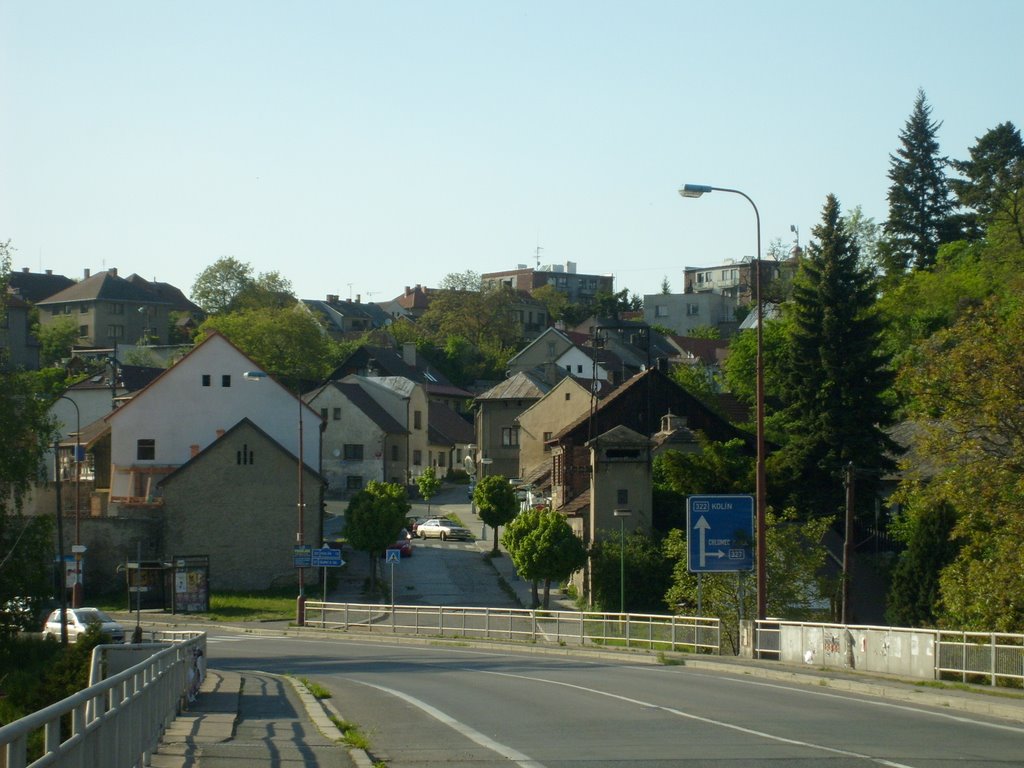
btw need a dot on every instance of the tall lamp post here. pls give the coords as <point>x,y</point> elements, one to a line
<point>300,604</point>
<point>76,588</point>
<point>622,514</point>
<point>696,190</point>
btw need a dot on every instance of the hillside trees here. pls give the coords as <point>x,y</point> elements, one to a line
<point>919,201</point>
<point>836,408</point>
<point>993,183</point>
<point>965,390</point>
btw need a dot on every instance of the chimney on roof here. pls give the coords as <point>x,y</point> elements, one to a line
<point>332,298</point>
<point>86,273</point>
<point>25,270</point>
<point>113,271</point>
<point>49,271</point>
<point>409,353</point>
<point>359,298</point>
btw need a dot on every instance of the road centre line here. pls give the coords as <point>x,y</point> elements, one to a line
<point>698,718</point>
<point>524,761</point>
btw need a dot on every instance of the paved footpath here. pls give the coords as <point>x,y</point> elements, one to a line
<point>254,720</point>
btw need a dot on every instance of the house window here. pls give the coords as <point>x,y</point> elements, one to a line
<point>323,414</point>
<point>225,380</point>
<point>440,459</point>
<point>567,396</point>
<point>417,458</point>
<point>353,482</point>
<point>352,452</point>
<point>83,309</point>
<point>622,496</point>
<point>115,331</point>
<point>692,310</point>
<point>337,415</point>
<point>417,419</point>
<point>56,311</point>
<point>579,368</point>
<point>145,449</point>
<point>245,457</point>
<point>206,379</point>
<point>547,440</point>
<point>117,309</point>
<point>394,453</point>
<point>551,348</point>
<point>509,437</point>
<point>568,367</point>
<point>83,331</point>
<point>660,310</point>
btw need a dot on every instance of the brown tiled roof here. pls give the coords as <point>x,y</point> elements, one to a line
<point>521,386</point>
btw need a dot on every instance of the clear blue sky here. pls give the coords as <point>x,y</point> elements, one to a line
<point>358,147</point>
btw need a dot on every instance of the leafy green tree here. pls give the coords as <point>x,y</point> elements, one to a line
<point>555,301</point>
<point>288,343</point>
<point>666,289</point>
<point>229,285</point>
<point>866,233</point>
<point>717,468</point>
<point>373,520</point>
<point>428,484</point>
<point>836,404</point>
<point>964,389</point>
<point>647,572</point>
<point>919,201</point>
<point>496,503</point>
<point>461,281</point>
<point>217,286</point>
<point>56,340</point>
<point>794,559</point>
<point>993,187</point>
<point>926,527</point>
<point>543,547</point>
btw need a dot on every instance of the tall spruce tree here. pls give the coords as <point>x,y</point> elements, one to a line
<point>920,206</point>
<point>835,409</point>
<point>993,187</point>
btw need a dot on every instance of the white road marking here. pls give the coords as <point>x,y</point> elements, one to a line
<point>484,741</point>
<point>698,718</point>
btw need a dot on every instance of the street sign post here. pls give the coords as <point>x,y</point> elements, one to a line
<point>325,557</point>
<point>720,533</point>
<point>302,555</point>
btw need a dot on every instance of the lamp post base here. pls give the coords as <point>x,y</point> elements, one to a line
<point>300,610</point>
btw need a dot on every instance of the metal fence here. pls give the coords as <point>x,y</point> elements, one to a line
<point>651,632</point>
<point>116,722</point>
<point>927,654</point>
<point>975,656</point>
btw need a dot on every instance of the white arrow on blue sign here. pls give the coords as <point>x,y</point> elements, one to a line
<point>326,557</point>
<point>720,533</point>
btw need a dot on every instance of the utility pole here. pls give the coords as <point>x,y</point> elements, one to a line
<point>848,544</point>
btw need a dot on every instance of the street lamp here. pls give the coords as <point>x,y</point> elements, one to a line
<point>696,190</point>
<point>76,588</point>
<point>300,604</point>
<point>622,514</point>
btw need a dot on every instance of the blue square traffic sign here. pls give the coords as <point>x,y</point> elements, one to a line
<point>720,533</point>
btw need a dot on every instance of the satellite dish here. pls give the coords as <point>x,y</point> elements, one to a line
<point>336,452</point>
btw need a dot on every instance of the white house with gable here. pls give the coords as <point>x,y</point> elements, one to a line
<point>192,404</point>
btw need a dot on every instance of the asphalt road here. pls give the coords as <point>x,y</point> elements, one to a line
<point>428,705</point>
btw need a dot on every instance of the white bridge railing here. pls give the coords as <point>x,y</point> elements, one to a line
<point>652,632</point>
<point>116,722</point>
<point>926,654</point>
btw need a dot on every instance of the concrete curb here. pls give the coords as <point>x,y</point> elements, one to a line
<point>319,711</point>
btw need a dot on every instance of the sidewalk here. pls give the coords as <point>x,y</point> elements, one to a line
<point>251,720</point>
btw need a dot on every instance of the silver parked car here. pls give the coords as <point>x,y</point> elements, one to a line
<point>79,620</point>
<point>443,528</point>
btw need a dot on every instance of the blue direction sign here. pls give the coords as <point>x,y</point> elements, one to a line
<point>325,557</point>
<point>302,556</point>
<point>720,533</point>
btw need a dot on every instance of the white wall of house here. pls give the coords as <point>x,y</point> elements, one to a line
<point>683,312</point>
<point>192,403</point>
<point>581,365</point>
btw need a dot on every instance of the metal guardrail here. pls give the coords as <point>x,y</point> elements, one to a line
<point>610,630</point>
<point>926,654</point>
<point>997,657</point>
<point>117,722</point>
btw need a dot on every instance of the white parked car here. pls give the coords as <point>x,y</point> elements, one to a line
<point>79,620</point>
<point>442,528</point>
